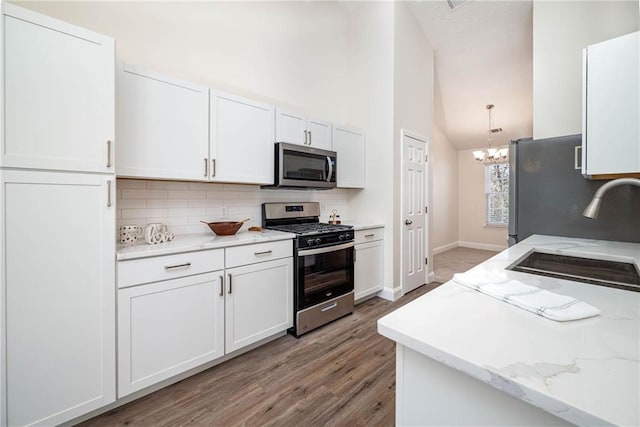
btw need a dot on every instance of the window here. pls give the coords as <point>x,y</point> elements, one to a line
<point>497,194</point>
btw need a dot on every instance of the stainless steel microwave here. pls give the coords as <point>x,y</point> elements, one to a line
<point>297,166</point>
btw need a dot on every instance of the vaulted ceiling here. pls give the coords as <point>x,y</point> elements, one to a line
<point>483,55</point>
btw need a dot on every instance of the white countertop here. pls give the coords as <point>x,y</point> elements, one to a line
<point>198,242</point>
<point>357,226</point>
<point>586,371</point>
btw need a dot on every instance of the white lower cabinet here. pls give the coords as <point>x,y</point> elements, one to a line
<point>58,276</point>
<point>167,328</point>
<point>189,310</point>
<point>369,263</point>
<point>259,302</point>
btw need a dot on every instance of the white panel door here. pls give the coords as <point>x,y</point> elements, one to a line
<point>259,302</point>
<point>319,134</point>
<point>413,214</point>
<point>349,144</point>
<point>167,328</point>
<point>59,94</point>
<point>163,126</point>
<point>59,268</point>
<point>291,127</point>
<point>612,133</point>
<point>242,140</point>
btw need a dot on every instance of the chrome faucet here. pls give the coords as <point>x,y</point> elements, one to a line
<point>592,210</point>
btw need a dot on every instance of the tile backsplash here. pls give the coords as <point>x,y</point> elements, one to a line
<point>182,205</point>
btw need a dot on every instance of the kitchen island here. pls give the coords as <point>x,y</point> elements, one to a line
<point>465,358</point>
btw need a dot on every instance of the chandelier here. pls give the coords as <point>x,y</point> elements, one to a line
<point>491,155</point>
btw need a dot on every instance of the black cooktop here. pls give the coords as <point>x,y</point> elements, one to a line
<point>311,228</point>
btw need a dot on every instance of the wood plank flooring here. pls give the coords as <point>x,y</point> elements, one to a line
<point>340,374</point>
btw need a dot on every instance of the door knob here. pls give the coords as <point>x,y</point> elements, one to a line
<point>408,222</point>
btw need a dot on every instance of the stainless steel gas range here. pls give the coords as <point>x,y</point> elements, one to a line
<point>323,263</point>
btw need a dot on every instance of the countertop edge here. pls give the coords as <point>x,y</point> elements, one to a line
<point>148,251</point>
<point>534,397</point>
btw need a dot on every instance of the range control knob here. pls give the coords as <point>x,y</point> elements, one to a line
<point>341,237</point>
<point>310,242</point>
<point>318,241</point>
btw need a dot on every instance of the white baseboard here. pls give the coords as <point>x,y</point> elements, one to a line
<point>431,277</point>
<point>390,294</point>
<point>483,246</point>
<point>445,248</point>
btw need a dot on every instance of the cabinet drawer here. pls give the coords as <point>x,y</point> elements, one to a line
<point>363,236</point>
<point>249,254</point>
<point>154,269</point>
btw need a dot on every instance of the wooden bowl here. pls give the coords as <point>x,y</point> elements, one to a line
<point>225,228</point>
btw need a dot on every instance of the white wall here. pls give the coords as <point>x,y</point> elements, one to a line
<point>561,29</point>
<point>444,205</point>
<point>291,53</point>
<point>472,231</point>
<point>371,103</point>
<point>413,82</point>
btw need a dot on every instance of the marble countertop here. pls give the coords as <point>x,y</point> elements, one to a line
<point>357,226</point>
<point>586,371</point>
<point>199,242</point>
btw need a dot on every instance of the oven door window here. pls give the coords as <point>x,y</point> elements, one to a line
<point>304,166</point>
<point>324,276</point>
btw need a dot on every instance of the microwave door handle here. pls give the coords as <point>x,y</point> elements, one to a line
<point>330,175</point>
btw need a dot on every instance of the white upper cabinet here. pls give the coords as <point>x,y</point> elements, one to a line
<point>349,144</point>
<point>611,133</point>
<point>297,129</point>
<point>58,94</point>
<point>162,126</point>
<point>242,140</point>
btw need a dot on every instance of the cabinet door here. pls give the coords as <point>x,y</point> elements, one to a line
<point>319,134</point>
<point>59,94</point>
<point>291,127</point>
<point>59,268</point>
<point>612,101</point>
<point>349,144</point>
<point>259,302</point>
<point>163,126</point>
<point>242,140</point>
<point>166,328</point>
<point>368,268</point>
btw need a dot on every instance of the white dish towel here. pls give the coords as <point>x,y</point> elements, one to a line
<point>556,307</point>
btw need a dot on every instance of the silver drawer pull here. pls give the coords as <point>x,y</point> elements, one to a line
<point>221,286</point>
<point>171,267</point>
<point>329,307</point>
<point>108,154</point>
<point>369,235</point>
<point>262,253</point>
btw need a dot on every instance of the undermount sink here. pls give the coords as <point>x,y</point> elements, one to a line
<point>614,274</point>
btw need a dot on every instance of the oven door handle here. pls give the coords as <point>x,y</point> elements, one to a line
<point>324,250</point>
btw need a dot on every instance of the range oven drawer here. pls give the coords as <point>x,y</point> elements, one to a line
<point>321,314</point>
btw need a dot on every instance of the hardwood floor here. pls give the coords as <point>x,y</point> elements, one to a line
<point>340,374</point>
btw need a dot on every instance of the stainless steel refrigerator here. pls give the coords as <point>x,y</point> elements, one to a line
<point>547,195</point>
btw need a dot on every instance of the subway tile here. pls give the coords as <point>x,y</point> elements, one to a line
<point>167,185</point>
<point>131,203</point>
<point>187,212</point>
<point>143,213</point>
<point>199,203</point>
<point>144,194</point>
<point>131,183</point>
<point>168,203</point>
<point>205,186</point>
<point>186,194</point>
<point>222,195</point>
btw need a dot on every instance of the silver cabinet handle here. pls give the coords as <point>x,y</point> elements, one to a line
<point>221,285</point>
<point>306,137</point>
<point>369,235</point>
<point>310,140</point>
<point>108,154</point>
<point>230,284</point>
<point>213,168</point>
<point>262,253</point>
<point>171,267</point>
<point>408,222</point>
<point>206,167</point>
<point>329,307</point>
<point>109,194</point>
<point>577,156</point>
